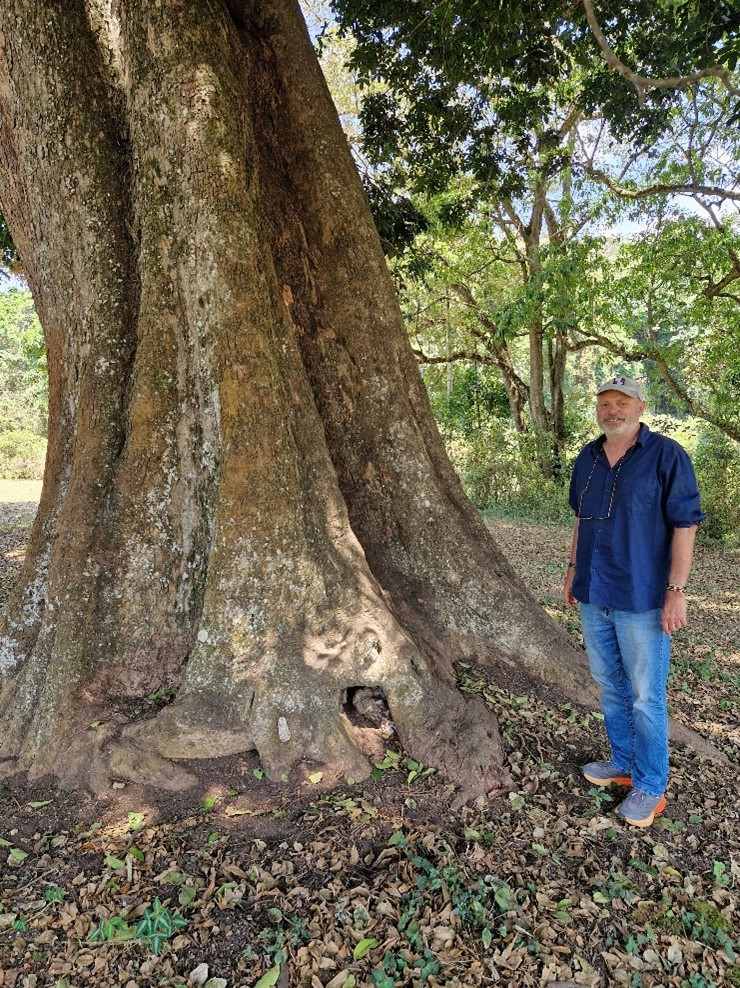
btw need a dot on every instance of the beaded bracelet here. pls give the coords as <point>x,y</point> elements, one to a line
<point>677,588</point>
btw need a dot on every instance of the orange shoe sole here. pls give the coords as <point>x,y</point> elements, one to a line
<point>620,780</point>
<point>648,819</point>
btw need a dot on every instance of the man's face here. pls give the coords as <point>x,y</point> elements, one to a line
<point>618,414</point>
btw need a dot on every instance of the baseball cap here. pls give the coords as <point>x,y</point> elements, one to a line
<point>626,385</point>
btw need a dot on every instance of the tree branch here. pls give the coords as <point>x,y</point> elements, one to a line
<point>688,189</point>
<point>727,427</point>
<point>716,289</point>
<point>451,358</point>
<point>654,354</point>
<point>641,82</point>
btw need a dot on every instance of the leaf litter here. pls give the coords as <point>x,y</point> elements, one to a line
<point>252,883</point>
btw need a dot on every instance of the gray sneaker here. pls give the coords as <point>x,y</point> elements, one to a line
<point>639,809</point>
<point>604,773</point>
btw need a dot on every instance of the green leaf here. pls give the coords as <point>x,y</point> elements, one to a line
<point>136,853</point>
<point>269,978</point>
<point>391,760</point>
<point>316,777</point>
<point>175,877</point>
<point>17,855</point>
<point>38,804</point>
<point>487,937</point>
<point>135,821</point>
<point>363,948</point>
<point>503,897</point>
<point>208,804</point>
<point>114,863</point>
<point>187,895</point>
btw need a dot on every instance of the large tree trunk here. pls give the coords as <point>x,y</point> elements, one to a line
<point>245,495</point>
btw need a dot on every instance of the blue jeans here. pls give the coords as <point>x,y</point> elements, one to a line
<point>629,655</point>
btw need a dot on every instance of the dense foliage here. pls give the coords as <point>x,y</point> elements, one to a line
<point>471,85</point>
<point>549,221</point>
<point>23,387</point>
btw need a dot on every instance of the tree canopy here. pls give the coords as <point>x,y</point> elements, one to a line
<point>544,134</point>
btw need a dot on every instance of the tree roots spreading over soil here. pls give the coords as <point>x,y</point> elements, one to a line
<point>249,881</point>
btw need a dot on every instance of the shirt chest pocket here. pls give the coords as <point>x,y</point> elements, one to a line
<point>644,496</point>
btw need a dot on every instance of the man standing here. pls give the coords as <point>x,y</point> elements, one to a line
<point>637,509</point>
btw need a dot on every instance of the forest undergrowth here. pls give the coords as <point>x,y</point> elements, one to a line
<point>244,882</point>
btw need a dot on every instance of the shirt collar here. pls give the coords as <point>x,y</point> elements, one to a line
<point>643,436</point>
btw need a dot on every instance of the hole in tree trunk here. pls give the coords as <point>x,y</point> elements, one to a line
<point>369,719</point>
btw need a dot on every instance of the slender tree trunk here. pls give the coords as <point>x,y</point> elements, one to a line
<point>558,354</point>
<point>516,392</point>
<point>541,422</point>
<point>245,495</point>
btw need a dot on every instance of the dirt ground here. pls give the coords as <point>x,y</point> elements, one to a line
<point>243,881</point>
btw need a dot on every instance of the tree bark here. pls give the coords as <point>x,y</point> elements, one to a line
<point>245,496</point>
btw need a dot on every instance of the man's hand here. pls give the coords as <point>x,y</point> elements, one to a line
<point>570,600</point>
<point>674,612</point>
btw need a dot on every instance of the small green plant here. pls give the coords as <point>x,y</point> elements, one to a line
<point>158,924</point>
<point>115,928</point>
<point>479,904</point>
<point>600,797</point>
<point>699,981</point>
<point>395,967</point>
<point>733,975</point>
<point>616,886</point>
<point>272,942</point>
<point>54,894</point>
<point>393,760</point>
<point>719,870</point>
<point>162,697</point>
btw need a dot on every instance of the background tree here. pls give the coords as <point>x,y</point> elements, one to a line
<point>23,387</point>
<point>534,145</point>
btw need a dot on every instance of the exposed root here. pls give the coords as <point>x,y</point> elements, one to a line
<point>459,736</point>
<point>691,739</point>
<point>135,763</point>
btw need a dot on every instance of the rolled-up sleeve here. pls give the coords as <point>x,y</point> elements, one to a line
<point>682,504</point>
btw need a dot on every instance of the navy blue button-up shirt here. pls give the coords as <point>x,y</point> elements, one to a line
<point>622,560</point>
